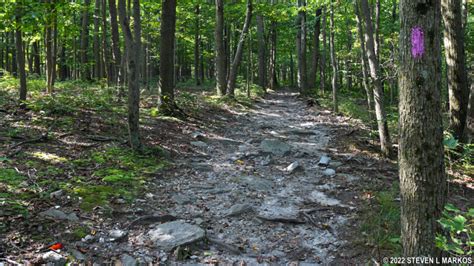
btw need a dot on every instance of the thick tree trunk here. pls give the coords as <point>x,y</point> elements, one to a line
<point>364,63</point>
<point>469,130</point>
<point>197,43</point>
<point>132,46</point>
<point>333,61</point>
<point>421,160</point>
<point>262,61</point>
<point>301,46</point>
<point>238,53</point>
<point>315,55</point>
<point>96,44</point>
<point>167,47</point>
<point>375,74</point>
<point>377,29</point>
<point>221,71</point>
<point>20,53</point>
<point>116,55</point>
<point>456,66</point>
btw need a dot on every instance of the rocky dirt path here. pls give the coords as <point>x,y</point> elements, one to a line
<point>265,190</point>
<point>261,189</point>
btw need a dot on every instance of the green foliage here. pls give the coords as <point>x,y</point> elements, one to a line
<point>458,155</point>
<point>10,177</point>
<point>458,237</point>
<point>381,222</point>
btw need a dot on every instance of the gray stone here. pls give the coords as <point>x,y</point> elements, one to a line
<point>128,260</point>
<point>54,258</point>
<point>170,235</point>
<point>266,161</point>
<point>77,254</point>
<point>322,199</point>
<point>205,167</point>
<point>199,144</point>
<point>255,183</point>
<point>278,212</point>
<point>117,233</point>
<point>198,221</point>
<point>198,135</point>
<point>181,199</point>
<point>275,147</point>
<point>56,194</point>
<point>324,161</point>
<point>329,172</point>
<point>239,209</point>
<point>293,166</point>
<point>59,215</point>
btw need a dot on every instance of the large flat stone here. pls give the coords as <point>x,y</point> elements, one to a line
<point>275,147</point>
<point>173,234</point>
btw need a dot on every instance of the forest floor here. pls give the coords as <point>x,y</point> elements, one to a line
<point>279,181</point>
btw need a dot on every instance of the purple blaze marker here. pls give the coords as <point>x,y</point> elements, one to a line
<point>417,42</point>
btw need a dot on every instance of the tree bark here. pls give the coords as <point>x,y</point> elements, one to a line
<point>323,53</point>
<point>364,63</point>
<point>315,55</point>
<point>301,46</point>
<point>238,53</point>
<point>117,56</point>
<point>197,43</point>
<point>20,53</point>
<point>96,44</point>
<point>221,71</point>
<point>262,62</point>
<point>456,66</point>
<point>107,69</point>
<point>132,46</point>
<point>421,160</point>
<point>50,47</point>
<point>377,29</point>
<point>375,74</point>
<point>167,47</point>
<point>333,61</point>
<point>273,56</point>
<point>85,71</point>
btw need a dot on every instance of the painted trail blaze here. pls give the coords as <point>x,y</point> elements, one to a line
<point>417,42</point>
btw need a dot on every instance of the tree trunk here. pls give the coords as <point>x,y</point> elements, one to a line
<point>262,61</point>
<point>36,59</point>
<point>364,63</point>
<point>96,44</point>
<point>273,56</point>
<point>323,53</point>
<point>456,66</point>
<point>469,130</point>
<point>107,69</point>
<point>238,53</point>
<point>377,29</point>
<point>197,43</point>
<point>85,71</point>
<point>116,55</point>
<point>167,54</point>
<point>333,61</point>
<point>421,160</point>
<point>20,53</point>
<point>14,63</point>
<point>315,56</point>
<point>301,46</point>
<point>49,45</point>
<point>132,46</point>
<point>220,49</point>
<point>375,74</point>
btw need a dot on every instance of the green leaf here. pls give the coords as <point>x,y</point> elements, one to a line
<point>450,207</point>
<point>459,222</point>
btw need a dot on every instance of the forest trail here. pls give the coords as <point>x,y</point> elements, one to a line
<point>257,190</point>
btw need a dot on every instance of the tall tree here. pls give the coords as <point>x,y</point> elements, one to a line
<point>456,65</point>
<point>117,56</point>
<point>262,64</point>
<point>133,48</point>
<point>364,63</point>
<point>301,45</point>
<point>376,79</point>
<point>323,53</point>
<point>197,43</point>
<point>238,52</point>
<point>96,43</point>
<point>85,73</point>
<point>272,84</point>
<point>315,55</point>
<point>167,54</point>
<point>421,162</point>
<point>20,53</point>
<point>221,70</point>
<point>50,45</point>
<point>333,60</point>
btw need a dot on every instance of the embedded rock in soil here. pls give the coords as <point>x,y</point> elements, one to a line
<point>59,215</point>
<point>238,209</point>
<point>170,235</point>
<point>275,147</point>
<point>255,183</point>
